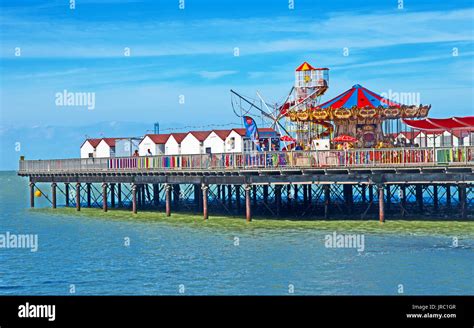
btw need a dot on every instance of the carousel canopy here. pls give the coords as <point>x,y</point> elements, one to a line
<point>442,124</point>
<point>360,97</point>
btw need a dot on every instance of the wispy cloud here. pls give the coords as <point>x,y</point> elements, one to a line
<point>399,61</point>
<point>215,74</point>
<point>220,36</point>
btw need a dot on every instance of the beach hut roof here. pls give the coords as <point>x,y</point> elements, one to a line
<point>94,142</point>
<point>111,141</point>
<point>223,134</point>
<point>177,136</point>
<point>240,131</point>
<point>200,135</point>
<point>159,139</point>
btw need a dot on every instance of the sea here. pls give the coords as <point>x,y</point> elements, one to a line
<point>97,255</point>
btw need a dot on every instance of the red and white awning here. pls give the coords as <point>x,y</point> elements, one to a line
<point>440,125</point>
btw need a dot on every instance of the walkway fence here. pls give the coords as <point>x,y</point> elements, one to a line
<point>394,157</point>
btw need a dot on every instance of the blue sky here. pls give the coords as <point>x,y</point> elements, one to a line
<point>190,52</point>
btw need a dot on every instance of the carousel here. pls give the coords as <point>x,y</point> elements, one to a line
<point>366,117</point>
<point>357,118</point>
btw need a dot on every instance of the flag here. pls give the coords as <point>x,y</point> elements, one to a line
<point>251,131</point>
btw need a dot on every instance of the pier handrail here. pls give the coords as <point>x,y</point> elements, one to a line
<point>354,158</point>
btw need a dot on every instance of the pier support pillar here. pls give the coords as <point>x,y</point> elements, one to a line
<point>248,208</point>
<point>435,197</point>
<point>403,199</point>
<point>419,197</point>
<point>448,196</point>
<point>119,194</point>
<point>265,194</point>
<point>295,195</point>
<point>139,195</point>
<point>278,199</point>
<point>305,195</point>
<point>254,195</point>
<point>112,195</point>
<point>381,204</point>
<point>168,199</point>
<point>347,191</point>
<point>364,193</point>
<point>53,194</point>
<point>462,200</point>
<point>237,197</point>
<point>134,198</point>
<point>104,197</point>
<point>78,196</point>
<point>327,200</point>
<point>389,197</point>
<point>32,195</point>
<point>310,194</point>
<point>66,192</point>
<point>142,195</point>
<point>156,194</point>
<point>176,195</point>
<point>88,194</point>
<point>196,195</point>
<point>199,196</point>
<point>229,196</point>
<point>205,189</point>
<point>371,193</point>
<point>288,196</point>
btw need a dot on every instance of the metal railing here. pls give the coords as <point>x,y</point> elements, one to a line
<point>389,157</point>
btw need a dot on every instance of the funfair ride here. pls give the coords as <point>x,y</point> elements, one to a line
<point>367,116</point>
<point>304,123</point>
<point>292,119</point>
<point>310,84</point>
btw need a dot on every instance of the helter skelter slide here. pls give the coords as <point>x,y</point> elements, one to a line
<point>293,117</point>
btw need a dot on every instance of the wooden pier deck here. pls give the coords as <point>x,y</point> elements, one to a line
<point>310,184</point>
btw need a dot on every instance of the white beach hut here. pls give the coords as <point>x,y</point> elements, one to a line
<point>193,142</point>
<point>215,141</point>
<point>173,143</point>
<point>154,144</point>
<point>88,148</point>
<point>235,140</point>
<point>106,147</point>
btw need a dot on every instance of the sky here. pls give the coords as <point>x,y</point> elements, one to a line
<point>140,59</point>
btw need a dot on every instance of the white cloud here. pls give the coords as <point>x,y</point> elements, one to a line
<point>215,74</point>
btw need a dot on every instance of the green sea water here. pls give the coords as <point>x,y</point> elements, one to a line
<point>412,227</point>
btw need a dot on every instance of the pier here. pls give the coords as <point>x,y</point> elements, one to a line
<point>358,184</point>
